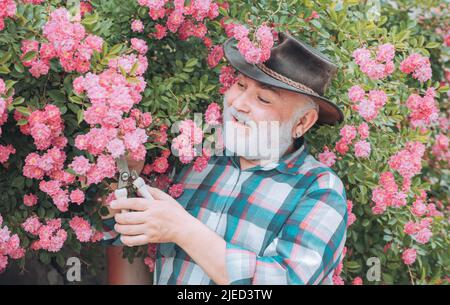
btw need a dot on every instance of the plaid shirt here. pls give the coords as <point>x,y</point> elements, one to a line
<point>283,223</point>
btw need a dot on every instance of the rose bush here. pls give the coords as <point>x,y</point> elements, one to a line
<point>82,83</point>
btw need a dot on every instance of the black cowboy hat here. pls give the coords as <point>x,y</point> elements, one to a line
<point>293,65</point>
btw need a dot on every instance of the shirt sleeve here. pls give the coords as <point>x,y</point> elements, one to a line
<point>308,247</point>
<point>110,236</point>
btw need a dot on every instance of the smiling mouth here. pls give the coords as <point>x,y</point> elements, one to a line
<point>236,121</point>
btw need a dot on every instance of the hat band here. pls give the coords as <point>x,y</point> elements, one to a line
<point>286,80</point>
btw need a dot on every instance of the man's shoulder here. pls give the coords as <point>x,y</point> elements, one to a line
<point>312,166</point>
<point>322,176</point>
<point>325,190</point>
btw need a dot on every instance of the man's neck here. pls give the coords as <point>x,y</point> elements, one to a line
<point>245,163</point>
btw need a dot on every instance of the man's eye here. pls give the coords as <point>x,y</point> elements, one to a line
<point>240,85</point>
<point>263,100</point>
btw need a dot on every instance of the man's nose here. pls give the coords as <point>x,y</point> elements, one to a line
<point>241,102</point>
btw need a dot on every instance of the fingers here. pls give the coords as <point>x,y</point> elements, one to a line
<point>130,229</point>
<point>144,192</point>
<point>158,194</point>
<point>130,218</point>
<point>131,241</point>
<point>137,204</point>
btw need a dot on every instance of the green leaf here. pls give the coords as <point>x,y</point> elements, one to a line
<point>353,266</point>
<point>23,110</point>
<point>76,246</point>
<point>60,261</point>
<point>382,20</point>
<point>57,96</point>
<point>402,36</point>
<point>388,279</point>
<point>444,89</point>
<point>115,49</point>
<point>19,67</point>
<point>5,58</point>
<point>22,122</point>
<point>90,19</point>
<point>73,107</point>
<point>10,83</point>
<point>80,116</point>
<point>387,238</point>
<point>41,212</point>
<point>202,96</point>
<point>21,19</point>
<point>75,99</point>
<point>122,70</point>
<point>18,182</point>
<point>18,100</point>
<point>191,62</point>
<point>70,171</point>
<point>50,213</point>
<point>432,45</point>
<point>4,70</point>
<point>29,56</point>
<point>45,258</point>
<point>316,23</point>
<point>134,68</point>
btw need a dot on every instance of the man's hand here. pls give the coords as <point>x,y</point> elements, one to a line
<point>152,221</point>
<point>165,220</point>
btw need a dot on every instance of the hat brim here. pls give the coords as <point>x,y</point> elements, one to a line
<point>329,113</point>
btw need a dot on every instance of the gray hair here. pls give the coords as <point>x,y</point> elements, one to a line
<point>309,105</point>
<point>299,113</point>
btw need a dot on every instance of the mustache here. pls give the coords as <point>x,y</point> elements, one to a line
<point>230,111</point>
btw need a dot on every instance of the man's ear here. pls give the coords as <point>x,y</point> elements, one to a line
<point>305,123</point>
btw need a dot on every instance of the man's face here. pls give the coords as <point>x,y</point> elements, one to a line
<point>257,115</point>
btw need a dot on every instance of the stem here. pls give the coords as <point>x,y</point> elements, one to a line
<point>411,276</point>
<point>45,88</point>
<point>35,32</point>
<point>277,10</point>
<point>368,168</point>
<point>170,90</point>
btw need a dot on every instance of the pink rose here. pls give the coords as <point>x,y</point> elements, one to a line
<point>30,200</point>
<point>362,149</point>
<point>409,256</point>
<point>77,196</point>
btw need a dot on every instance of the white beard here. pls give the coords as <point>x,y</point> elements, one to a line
<point>267,140</point>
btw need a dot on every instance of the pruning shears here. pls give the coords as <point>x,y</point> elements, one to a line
<point>128,179</point>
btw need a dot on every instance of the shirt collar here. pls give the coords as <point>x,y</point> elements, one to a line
<point>288,164</point>
<point>291,163</point>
